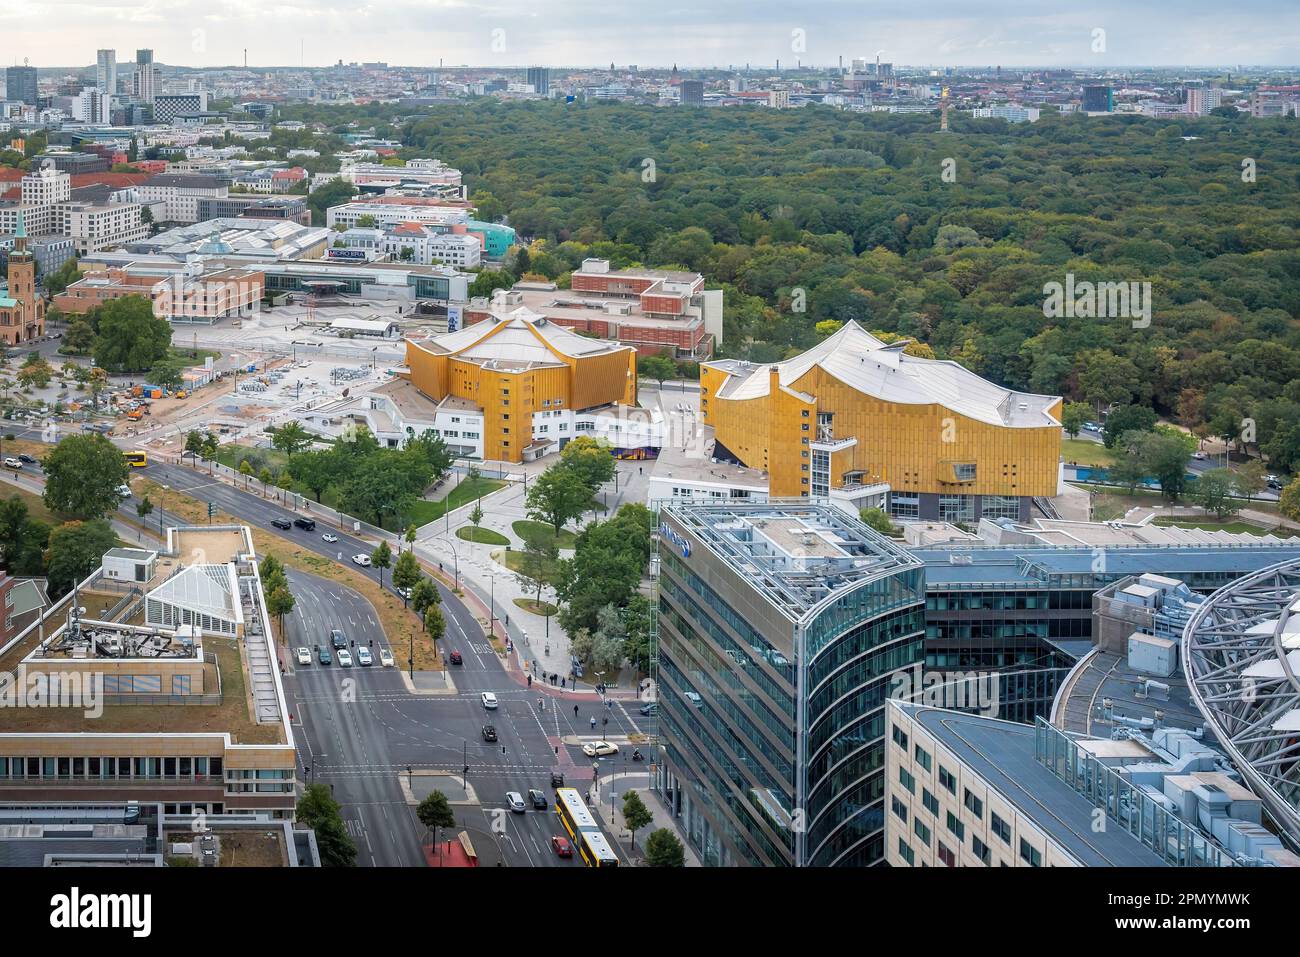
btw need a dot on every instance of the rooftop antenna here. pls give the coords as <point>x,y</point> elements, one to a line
<point>245,58</point>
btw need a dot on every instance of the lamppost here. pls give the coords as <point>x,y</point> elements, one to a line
<point>492,603</point>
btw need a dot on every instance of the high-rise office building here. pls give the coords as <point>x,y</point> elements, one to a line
<point>539,78</point>
<point>1098,99</point>
<point>692,91</point>
<point>780,629</point>
<point>144,83</point>
<point>106,71</point>
<point>20,84</point>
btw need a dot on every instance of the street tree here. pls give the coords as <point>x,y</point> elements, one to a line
<point>424,594</point>
<point>406,573</point>
<point>435,811</point>
<point>194,444</point>
<point>589,460</point>
<point>318,810</point>
<point>663,849</point>
<point>291,438</point>
<point>82,476</point>
<point>381,558</point>
<point>1073,416</point>
<point>557,497</point>
<point>635,814</point>
<point>435,626</point>
<point>143,508</point>
<point>1213,490</point>
<point>658,368</point>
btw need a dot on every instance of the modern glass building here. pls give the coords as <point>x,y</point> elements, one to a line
<point>779,629</point>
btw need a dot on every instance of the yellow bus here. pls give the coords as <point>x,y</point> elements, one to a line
<point>136,460</point>
<point>588,839</point>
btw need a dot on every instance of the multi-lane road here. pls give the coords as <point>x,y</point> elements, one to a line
<point>360,729</point>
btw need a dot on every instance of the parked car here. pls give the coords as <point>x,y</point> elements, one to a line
<point>306,524</point>
<point>363,657</point>
<point>489,700</point>
<point>324,657</point>
<point>385,657</point>
<point>282,523</point>
<point>345,659</point>
<point>362,560</point>
<point>338,639</point>
<point>329,537</point>
<point>599,749</point>
<point>537,799</point>
<point>515,802</point>
<point>304,656</point>
<point>455,658</point>
<point>562,846</point>
<point>489,733</point>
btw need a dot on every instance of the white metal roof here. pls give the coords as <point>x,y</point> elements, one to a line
<point>521,336</point>
<point>861,361</point>
<point>207,589</point>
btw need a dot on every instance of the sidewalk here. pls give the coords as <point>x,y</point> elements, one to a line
<point>613,820</point>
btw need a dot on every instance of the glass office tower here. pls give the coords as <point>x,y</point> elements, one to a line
<point>779,629</point>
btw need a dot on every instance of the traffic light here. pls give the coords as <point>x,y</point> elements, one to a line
<point>212,510</point>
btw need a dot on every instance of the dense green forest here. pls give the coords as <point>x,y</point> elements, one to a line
<point>850,216</point>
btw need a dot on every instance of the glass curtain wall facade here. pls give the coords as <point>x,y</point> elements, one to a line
<point>771,720</point>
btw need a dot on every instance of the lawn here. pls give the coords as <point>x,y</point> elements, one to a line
<point>35,504</point>
<point>526,527</point>
<point>1083,452</point>
<point>465,491</point>
<point>543,608</point>
<point>481,536</point>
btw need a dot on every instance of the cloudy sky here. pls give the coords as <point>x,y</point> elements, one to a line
<point>698,33</point>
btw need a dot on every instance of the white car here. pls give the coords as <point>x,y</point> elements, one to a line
<point>329,537</point>
<point>362,560</point>
<point>124,491</point>
<point>304,656</point>
<point>363,657</point>
<point>12,463</point>
<point>515,802</point>
<point>599,749</point>
<point>385,657</point>
<point>345,658</point>
<point>489,700</point>
<point>1200,456</point>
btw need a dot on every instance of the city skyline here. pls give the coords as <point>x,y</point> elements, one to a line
<point>1012,33</point>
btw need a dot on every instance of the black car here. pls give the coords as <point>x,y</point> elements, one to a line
<point>557,779</point>
<point>306,524</point>
<point>338,639</point>
<point>281,523</point>
<point>537,799</point>
<point>489,733</point>
<point>26,459</point>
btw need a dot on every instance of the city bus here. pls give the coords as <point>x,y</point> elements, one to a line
<point>583,830</point>
<point>137,460</point>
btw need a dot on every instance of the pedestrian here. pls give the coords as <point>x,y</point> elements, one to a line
<point>561,682</point>
<point>530,681</point>
<point>609,703</point>
<point>575,710</point>
<point>593,722</point>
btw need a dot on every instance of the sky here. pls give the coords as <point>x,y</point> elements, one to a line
<point>694,34</point>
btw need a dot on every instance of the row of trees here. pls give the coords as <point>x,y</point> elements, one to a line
<point>125,336</point>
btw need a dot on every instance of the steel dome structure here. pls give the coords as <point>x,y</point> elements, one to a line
<point>1241,655</point>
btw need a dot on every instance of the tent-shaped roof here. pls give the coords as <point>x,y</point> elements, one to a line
<point>205,589</point>
<point>861,361</point>
<point>521,337</point>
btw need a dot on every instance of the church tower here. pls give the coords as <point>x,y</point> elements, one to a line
<point>22,314</point>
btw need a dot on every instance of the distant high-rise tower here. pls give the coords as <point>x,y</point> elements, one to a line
<point>106,71</point>
<point>539,78</point>
<point>20,84</point>
<point>1098,99</point>
<point>943,111</point>
<point>144,84</point>
<point>692,92</point>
